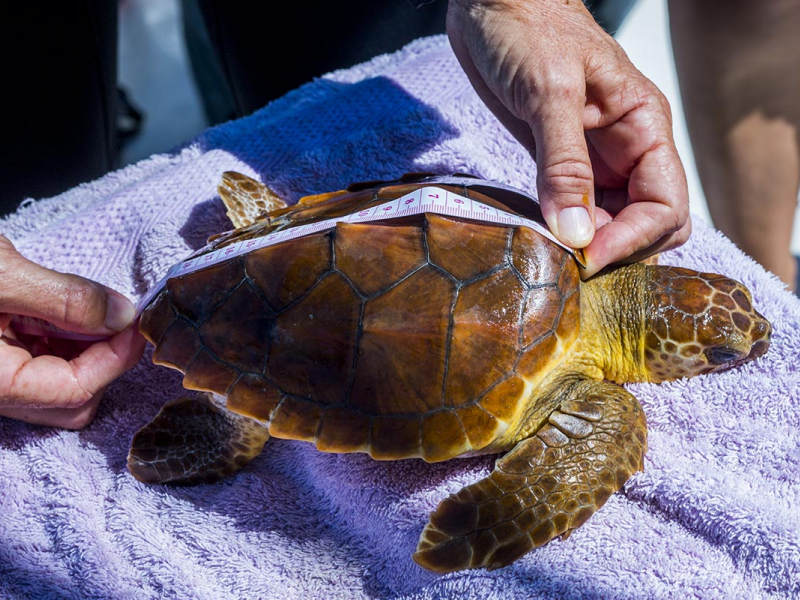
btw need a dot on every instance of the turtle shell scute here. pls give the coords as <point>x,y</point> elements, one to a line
<point>313,342</point>
<point>486,323</point>
<point>465,249</point>
<point>402,349</point>
<point>376,256</point>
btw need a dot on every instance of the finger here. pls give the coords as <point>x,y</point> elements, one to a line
<point>656,217</point>
<point>601,217</point>
<point>67,418</point>
<point>619,241</point>
<point>8,340</point>
<point>52,382</point>
<point>5,322</point>
<point>68,301</point>
<point>564,172</point>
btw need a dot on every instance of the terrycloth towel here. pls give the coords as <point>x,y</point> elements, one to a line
<point>714,515</point>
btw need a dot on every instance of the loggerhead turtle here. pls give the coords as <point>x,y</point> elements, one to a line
<point>431,337</point>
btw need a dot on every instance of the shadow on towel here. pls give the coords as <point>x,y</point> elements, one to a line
<point>319,138</point>
<point>314,139</point>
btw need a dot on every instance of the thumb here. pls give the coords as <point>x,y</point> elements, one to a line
<point>565,180</point>
<point>68,301</point>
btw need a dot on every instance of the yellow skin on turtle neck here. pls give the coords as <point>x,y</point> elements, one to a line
<point>622,313</point>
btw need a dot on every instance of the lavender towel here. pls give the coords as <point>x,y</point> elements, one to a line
<point>715,514</point>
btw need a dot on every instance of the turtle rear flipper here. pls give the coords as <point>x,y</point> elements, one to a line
<point>246,199</point>
<point>193,441</point>
<point>548,485</point>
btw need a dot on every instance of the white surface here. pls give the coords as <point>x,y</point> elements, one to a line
<point>154,67</point>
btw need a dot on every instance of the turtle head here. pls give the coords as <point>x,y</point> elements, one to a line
<point>699,323</point>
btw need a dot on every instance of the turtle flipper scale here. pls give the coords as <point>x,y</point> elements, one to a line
<point>193,441</point>
<point>546,486</point>
<point>246,199</point>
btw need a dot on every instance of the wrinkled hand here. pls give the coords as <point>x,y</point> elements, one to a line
<point>609,176</point>
<point>49,381</point>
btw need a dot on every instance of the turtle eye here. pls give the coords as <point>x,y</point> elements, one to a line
<point>721,355</point>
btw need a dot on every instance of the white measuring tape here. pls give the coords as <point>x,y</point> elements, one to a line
<point>427,199</point>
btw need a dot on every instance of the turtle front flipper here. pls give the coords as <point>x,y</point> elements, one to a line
<point>546,486</point>
<point>193,441</point>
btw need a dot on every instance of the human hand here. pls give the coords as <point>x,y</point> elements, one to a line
<point>51,381</point>
<point>609,176</point>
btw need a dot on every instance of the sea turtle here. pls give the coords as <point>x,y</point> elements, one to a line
<point>432,337</point>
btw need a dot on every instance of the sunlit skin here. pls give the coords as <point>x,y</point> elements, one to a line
<point>51,381</point>
<point>601,132</point>
<point>738,65</point>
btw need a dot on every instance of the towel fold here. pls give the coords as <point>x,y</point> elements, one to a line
<point>714,514</point>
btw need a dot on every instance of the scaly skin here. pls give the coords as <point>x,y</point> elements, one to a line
<point>192,440</point>
<point>568,462</point>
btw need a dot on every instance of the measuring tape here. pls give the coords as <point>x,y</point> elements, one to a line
<point>427,199</point>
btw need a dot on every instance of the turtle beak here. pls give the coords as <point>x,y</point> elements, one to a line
<point>742,348</point>
<point>760,333</point>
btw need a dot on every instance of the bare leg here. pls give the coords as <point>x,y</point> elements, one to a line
<point>739,70</point>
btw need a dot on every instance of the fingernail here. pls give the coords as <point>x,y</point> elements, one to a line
<point>120,313</point>
<point>575,226</point>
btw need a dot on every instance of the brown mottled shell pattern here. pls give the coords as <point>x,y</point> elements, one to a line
<point>410,337</point>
